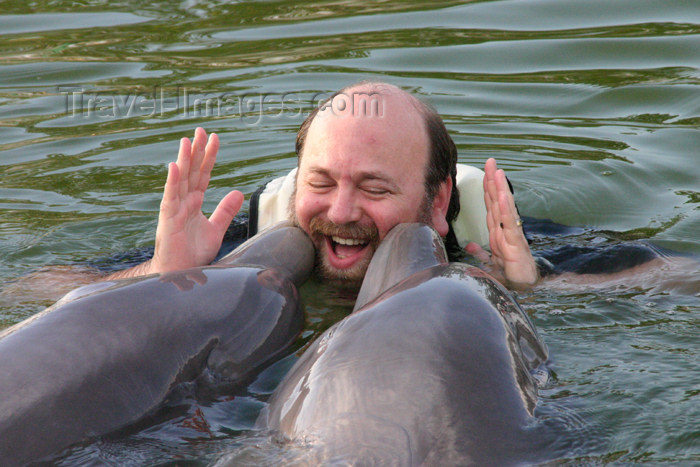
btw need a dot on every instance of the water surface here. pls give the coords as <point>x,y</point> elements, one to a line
<point>592,107</point>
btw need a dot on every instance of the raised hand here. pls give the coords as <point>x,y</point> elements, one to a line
<point>510,252</point>
<point>185,237</point>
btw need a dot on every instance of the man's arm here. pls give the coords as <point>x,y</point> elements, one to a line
<point>185,237</point>
<point>510,252</point>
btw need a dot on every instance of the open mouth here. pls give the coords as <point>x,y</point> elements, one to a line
<point>344,251</point>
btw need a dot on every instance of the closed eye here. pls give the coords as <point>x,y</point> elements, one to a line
<point>377,185</point>
<point>321,186</point>
<point>376,191</point>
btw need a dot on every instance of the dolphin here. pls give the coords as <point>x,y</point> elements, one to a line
<point>436,365</point>
<point>109,354</point>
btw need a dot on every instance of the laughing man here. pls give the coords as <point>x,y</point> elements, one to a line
<point>360,173</point>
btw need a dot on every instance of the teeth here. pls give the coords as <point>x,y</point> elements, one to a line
<point>348,241</point>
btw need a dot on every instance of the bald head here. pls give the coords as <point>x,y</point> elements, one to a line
<point>373,101</point>
<point>366,164</point>
<point>373,114</point>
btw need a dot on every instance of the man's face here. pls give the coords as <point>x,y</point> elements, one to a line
<point>359,176</point>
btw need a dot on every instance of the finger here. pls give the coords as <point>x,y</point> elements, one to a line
<point>490,166</point>
<point>492,226</point>
<point>508,209</point>
<point>501,182</point>
<point>508,219</point>
<point>495,211</point>
<point>502,189</point>
<point>168,205</point>
<point>228,207</point>
<point>183,164</point>
<point>512,231</point>
<point>492,207</point>
<point>198,150</point>
<point>494,222</point>
<point>489,201</point>
<point>491,170</point>
<point>512,208</point>
<point>209,160</point>
<point>487,197</point>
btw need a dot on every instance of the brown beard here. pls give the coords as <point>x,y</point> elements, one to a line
<point>319,229</point>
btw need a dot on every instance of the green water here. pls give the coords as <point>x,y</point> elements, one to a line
<point>592,106</point>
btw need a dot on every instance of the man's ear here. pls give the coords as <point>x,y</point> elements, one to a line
<point>441,203</point>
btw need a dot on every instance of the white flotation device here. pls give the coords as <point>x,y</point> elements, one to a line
<point>273,201</point>
<point>271,205</point>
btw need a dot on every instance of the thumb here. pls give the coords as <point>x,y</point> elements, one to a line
<point>479,253</point>
<point>228,207</point>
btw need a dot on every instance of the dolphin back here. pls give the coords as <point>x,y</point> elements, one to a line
<point>436,370</point>
<point>113,354</point>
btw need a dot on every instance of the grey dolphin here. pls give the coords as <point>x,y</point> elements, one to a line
<point>107,355</point>
<point>432,368</point>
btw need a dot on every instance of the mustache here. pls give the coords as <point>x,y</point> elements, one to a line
<point>353,230</point>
